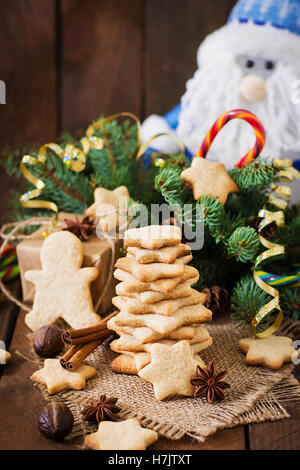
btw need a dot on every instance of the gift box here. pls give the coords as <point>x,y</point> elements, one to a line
<point>96,252</point>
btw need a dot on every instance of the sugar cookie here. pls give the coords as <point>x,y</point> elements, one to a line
<point>121,435</point>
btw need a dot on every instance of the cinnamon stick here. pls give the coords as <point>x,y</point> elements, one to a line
<point>86,335</point>
<point>88,338</point>
<point>67,356</point>
<point>78,355</point>
<point>83,342</point>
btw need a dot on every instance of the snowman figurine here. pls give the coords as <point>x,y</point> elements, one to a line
<point>253,62</point>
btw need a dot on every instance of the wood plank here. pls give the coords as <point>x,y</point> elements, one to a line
<point>280,435</point>
<point>27,38</point>
<point>229,439</point>
<point>174,31</point>
<point>100,60</point>
<point>9,312</point>
<point>16,387</point>
<point>8,317</point>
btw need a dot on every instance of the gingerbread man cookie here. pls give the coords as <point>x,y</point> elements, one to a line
<point>62,287</point>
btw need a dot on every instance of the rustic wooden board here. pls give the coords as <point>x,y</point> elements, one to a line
<point>282,435</point>
<point>16,388</point>
<point>173,32</point>
<point>28,67</point>
<point>8,317</point>
<point>100,60</point>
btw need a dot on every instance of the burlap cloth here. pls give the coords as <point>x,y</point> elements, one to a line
<point>256,393</point>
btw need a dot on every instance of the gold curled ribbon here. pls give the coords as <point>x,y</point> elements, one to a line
<point>75,158</point>
<point>286,174</point>
<point>72,156</point>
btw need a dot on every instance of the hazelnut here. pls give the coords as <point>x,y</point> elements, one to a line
<point>48,341</point>
<point>55,421</point>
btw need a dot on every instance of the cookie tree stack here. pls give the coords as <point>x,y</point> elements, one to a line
<point>156,301</point>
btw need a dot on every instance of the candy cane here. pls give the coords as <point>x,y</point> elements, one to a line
<point>220,123</point>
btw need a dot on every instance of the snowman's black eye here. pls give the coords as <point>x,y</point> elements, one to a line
<point>269,65</point>
<point>250,63</point>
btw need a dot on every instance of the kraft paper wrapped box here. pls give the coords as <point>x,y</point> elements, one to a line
<point>96,252</point>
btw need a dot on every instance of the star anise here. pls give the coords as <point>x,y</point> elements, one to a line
<point>102,409</point>
<point>209,383</point>
<point>81,229</point>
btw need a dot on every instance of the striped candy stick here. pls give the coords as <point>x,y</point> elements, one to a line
<point>9,270</point>
<point>8,250</point>
<point>9,273</point>
<point>222,121</point>
<point>8,260</point>
<point>276,280</point>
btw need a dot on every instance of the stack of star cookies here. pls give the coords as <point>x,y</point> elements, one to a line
<point>156,301</point>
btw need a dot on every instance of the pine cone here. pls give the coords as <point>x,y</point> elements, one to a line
<point>268,232</point>
<point>218,299</point>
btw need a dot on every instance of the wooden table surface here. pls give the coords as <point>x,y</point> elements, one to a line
<point>20,403</point>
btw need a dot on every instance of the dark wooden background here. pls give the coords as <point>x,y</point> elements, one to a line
<point>65,62</point>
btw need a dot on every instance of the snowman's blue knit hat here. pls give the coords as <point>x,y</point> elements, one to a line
<point>282,14</point>
<point>265,28</point>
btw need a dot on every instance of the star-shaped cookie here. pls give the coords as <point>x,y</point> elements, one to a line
<point>167,254</point>
<point>270,352</point>
<point>110,206</point>
<point>164,324</point>
<point>121,435</point>
<point>56,378</point>
<point>153,237</point>
<point>170,369</point>
<point>210,179</point>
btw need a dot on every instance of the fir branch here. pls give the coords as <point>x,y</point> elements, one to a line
<point>55,189</point>
<point>246,300</point>
<point>229,223</point>
<point>257,174</point>
<point>214,214</point>
<point>51,175</point>
<point>171,186</point>
<point>109,152</point>
<point>290,302</point>
<point>243,244</point>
